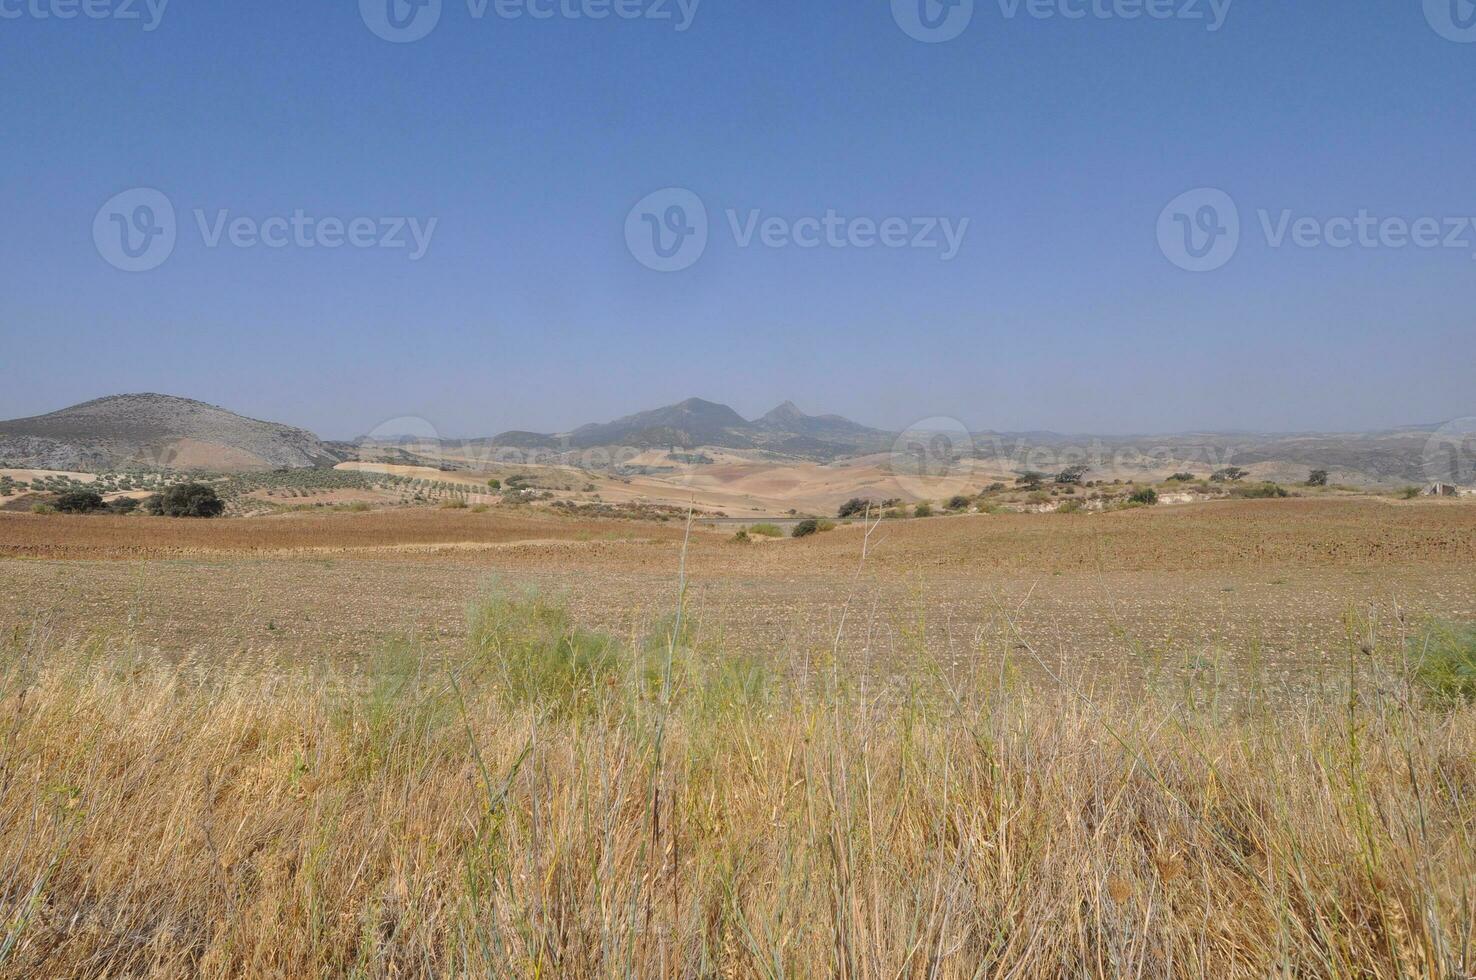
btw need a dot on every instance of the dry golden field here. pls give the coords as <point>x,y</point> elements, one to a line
<point>1169,742</point>
<point>1135,592</point>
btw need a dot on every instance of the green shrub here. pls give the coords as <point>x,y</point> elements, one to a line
<point>805,528</point>
<point>1146,496</point>
<point>923,509</point>
<point>1229,474</point>
<point>1444,659</point>
<point>42,509</point>
<point>1317,478</point>
<point>186,500</point>
<point>1409,493</point>
<point>766,530</point>
<point>455,503</point>
<point>123,505</point>
<point>855,507</point>
<point>741,536</point>
<point>1181,478</point>
<point>495,484</point>
<point>958,502</point>
<point>1260,491</point>
<point>1070,507</point>
<point>540,658</point>
<point>80,502</point>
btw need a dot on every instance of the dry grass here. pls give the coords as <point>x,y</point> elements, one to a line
<point>557,804</point>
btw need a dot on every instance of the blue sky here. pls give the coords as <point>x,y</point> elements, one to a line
<point>529,141</point>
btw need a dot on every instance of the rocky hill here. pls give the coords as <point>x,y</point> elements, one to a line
<point>152,431</point>
<point>696,422</point>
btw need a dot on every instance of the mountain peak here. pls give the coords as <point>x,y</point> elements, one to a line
<point>786,412</point>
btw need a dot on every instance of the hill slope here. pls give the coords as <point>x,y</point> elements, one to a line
<point>150,430</point>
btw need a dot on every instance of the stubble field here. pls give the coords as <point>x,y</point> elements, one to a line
<point>1218,586</point>
<point>1156,742</point>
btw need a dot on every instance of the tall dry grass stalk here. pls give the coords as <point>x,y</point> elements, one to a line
<point>562,805</point>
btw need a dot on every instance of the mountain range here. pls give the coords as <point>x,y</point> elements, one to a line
<point>697,422</point>
<point>164,431</point>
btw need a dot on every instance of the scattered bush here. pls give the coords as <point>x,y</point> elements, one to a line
<point>1230,474</point>
<point>186,500</point>
<point>994,488</point>
<point>923,509</point>
<point>766,530</point>
<point>855,507</point>
<point>1146,496</point>
<point>1317,478</point>
<point>741,537</point>
<point>1181,478</point>
<point>1261,491</point>
<point>805,528</point>
<point>123,505</point>
<point>455,503</point>
<point>1409,493</point>
<point>42,509</point>
<point>480,509</point>
<point>80,502</point>
<point>1071,475</point>
<point>495,484</point>
<point>1070,507</point>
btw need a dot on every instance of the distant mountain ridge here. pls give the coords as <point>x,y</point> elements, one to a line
<point>163,431</point>
<point>155,431</point>
<point>697,422</point>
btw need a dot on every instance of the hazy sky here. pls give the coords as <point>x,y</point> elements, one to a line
<point>530,140</point>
